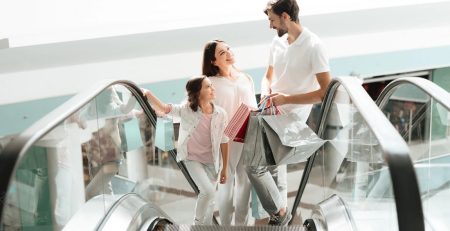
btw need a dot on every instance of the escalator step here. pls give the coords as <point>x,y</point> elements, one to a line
<point>232,228</point>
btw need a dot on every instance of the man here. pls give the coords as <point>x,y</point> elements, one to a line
<point>297,77</point>
<point>298,71</point>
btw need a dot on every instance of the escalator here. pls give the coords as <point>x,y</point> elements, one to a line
<point>420,111</point>
<point>92,163</point>
<point>363,177</point>
<point>128,212</point>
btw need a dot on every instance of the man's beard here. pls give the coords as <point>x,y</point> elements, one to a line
<point>281,32</point>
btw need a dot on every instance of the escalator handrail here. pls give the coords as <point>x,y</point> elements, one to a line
<point>394,149</point>
<point>18,147</point>
<point>430,88</point>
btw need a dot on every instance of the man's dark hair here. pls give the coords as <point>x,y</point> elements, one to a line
<point>280,6</point>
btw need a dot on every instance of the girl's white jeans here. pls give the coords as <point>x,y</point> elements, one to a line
<point>205,177</point>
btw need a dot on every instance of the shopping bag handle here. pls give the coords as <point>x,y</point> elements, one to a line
<point>266,103</point>
<point>263,103</point>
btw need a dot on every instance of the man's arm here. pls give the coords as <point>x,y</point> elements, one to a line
<point>313,97</point>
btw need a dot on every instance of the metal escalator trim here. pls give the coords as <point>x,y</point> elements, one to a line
<point>395,153</point>
<point>430,88</point>
<point>155,223</point>
<point>16,149</point>
<point>334,214</point>
<point>232,228</point>
<point>139,212</point>
<point>114,207</point>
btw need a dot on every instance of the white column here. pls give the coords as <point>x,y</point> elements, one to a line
<point>137,165</point>
<point>65,171</point>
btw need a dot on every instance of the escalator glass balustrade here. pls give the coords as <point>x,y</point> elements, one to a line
<point>78,167</point>
<point>420,111</point>
<point>350,183</point>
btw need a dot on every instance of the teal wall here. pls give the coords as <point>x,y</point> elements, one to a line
<point>439,121</point>
<point>33,172</point>
<point>16,117</point>
<point>392,62</point>
<point>442,77</point>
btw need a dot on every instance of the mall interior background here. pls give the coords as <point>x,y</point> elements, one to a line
<point>50,51</point>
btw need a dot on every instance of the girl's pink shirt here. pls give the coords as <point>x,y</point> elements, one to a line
<point>199,145</point>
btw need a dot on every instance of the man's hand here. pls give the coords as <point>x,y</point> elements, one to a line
<point>278,99</point>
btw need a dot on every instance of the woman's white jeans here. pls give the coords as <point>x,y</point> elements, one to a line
<point>205,177</point>
<point>237,176</point>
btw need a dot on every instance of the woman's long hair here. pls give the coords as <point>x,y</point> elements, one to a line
<point>209,56</point>
<point>193,87</point>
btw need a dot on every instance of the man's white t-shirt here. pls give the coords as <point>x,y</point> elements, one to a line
<point>295,67</point>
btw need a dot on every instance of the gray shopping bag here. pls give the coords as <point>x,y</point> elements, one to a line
<point>290,139</point>
<point>254,153</point>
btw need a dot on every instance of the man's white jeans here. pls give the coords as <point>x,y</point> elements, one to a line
<point>265,184</point>
<point>205,177</point>
<point>237,182</point>
<point>279,175</point>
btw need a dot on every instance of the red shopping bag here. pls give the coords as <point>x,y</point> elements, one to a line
<point>237,126</point>
<point>240,136</point>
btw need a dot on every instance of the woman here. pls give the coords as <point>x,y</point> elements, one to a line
<point>233,87</point>
<point>200,141</point>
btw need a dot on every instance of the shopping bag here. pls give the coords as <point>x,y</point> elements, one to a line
<point>289,139</point>
<point>131,139</point>
<point>164,137</point>
<point>266,107</point>
<point>273,146</point>
<point>236,127</point>
<point>240,136</point>
<point>254,153</point>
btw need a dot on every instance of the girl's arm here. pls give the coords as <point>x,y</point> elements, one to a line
<point>155,102</point>
<point>224,171</point>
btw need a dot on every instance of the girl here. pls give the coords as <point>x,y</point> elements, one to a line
<point>200,141</point>
<point>233,87</point>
